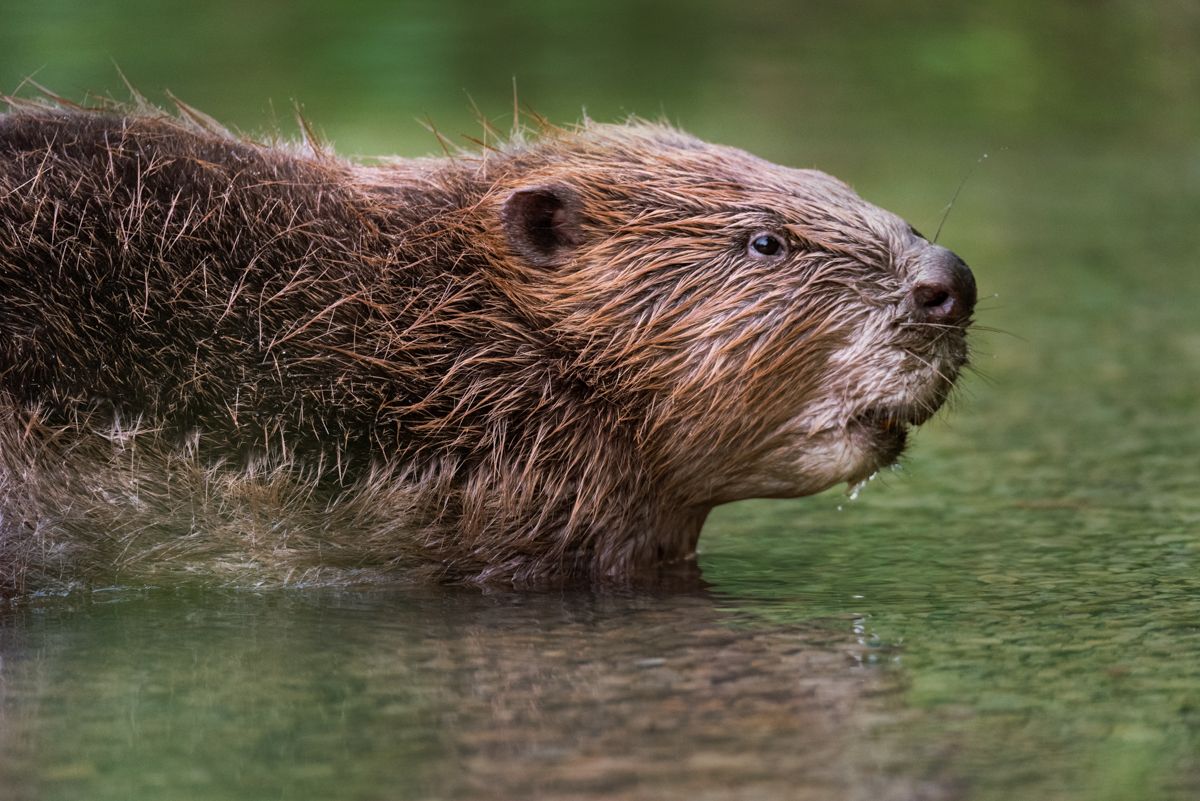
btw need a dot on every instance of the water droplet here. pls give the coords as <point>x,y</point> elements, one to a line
<point>853,490</point>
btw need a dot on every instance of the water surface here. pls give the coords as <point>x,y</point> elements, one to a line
<point>1014,614</point>
<point>446,694</point>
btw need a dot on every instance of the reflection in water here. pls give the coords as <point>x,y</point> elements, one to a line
<point>447,695</point>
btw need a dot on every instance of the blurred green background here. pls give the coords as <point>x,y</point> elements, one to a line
<point>780,77</point>
<point>1032,579</point>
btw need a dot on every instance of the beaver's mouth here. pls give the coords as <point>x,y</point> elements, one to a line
<point>892,418</point>
<point>885,429</point>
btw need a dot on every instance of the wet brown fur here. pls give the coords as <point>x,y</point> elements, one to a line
<point>263,364</point>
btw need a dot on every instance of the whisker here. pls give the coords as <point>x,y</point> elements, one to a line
<point>981,374</point>
<point>919,324</point>
<point>954,198</point>
<point>986,329</point>
<point>928,364</point>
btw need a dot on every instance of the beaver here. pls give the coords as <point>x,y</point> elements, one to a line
<point>258,363</point>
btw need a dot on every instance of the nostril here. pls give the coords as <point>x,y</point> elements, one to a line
<point>931,297</point>
<point>945,288</point>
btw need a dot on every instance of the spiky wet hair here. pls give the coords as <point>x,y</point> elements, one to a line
<point>547,358</point>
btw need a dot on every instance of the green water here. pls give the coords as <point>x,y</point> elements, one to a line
<point>1015,614</point>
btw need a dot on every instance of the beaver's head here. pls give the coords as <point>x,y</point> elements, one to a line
<point>772,333</point>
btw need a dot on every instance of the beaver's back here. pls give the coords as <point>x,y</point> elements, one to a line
<point>151,271</point>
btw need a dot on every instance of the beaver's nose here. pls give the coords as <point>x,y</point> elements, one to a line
<point>945,288</point>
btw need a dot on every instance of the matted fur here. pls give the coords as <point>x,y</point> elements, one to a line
<point>263,364</point>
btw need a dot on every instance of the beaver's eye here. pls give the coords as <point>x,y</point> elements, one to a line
<point>766,244</point>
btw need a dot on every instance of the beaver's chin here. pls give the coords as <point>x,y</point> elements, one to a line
<point>798,462</point>
<point>880,436</point>
<point>795,464</point>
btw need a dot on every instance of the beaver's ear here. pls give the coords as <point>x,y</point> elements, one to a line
<point>543,223</point>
